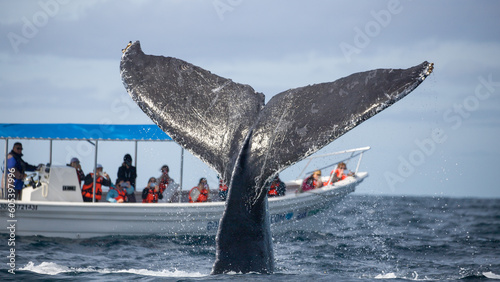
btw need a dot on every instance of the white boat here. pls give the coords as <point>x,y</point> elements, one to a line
<point>54,208</point>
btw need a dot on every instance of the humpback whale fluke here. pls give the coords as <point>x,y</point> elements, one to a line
<point>227,125</point>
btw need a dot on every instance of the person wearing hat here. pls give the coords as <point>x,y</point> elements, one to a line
<point>75,162</point>
<point>102,178</point>
<point>128,173</point>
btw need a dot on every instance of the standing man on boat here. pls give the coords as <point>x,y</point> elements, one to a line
<point>128,173</point>
<point>16,167</point>
<point>102,178</point>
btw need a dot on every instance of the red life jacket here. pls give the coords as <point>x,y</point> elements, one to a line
<point>222,185</point>
<point>163,184</point>
<point>87,189</point>
<point>121,194</point>
<point>273,191</point>
<point>152,197</point>
<point>339,175</point>
<point>200,196</point>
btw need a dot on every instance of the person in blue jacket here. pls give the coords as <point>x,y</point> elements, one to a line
<point>16,167</point>
<point>118,193</point>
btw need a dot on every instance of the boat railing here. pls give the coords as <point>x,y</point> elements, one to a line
<point>354,153</point>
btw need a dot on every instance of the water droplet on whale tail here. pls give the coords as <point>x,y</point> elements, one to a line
<point>248,142</point>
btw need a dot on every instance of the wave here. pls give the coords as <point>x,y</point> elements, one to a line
<point>491,275</point>
<point>50,268</point>
<point>386,276</point>
<point>392,275</point>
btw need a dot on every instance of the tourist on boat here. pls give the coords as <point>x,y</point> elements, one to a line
<point>167,185</point>
<point>16,167</point>
<point>128,173</point>
<point>222,189</point>
<point>151,193</point>
<point>277,187</point>
<point>102,178</point>
<point>339,173</point>
<point>199,193</point>
<point>311,182</point>
<point>75,162</point>
<point>118,193</point>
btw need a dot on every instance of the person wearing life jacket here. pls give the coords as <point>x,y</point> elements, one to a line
<point>102,178</point>
<point>117,193</point>
<point>277,187</point>
<point>199,193</point>
<point>151,193</point>
<point>222,189</point>
<point>338,174</point>
<point>167,185</point>
<point>311,182</point>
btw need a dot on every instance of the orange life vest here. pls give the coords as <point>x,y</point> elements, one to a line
<point>87,189</point>
<point>202,195</point>
<point>163,184</point>
<point>339,175</point>
<point>273,191</point>
<point>152,197</point>
<point>222,185</point>
<point>121,194</point>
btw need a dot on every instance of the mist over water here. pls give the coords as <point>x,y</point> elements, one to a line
<point>362,238</point>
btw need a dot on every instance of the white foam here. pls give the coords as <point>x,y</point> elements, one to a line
<point>491,275</point>
<point>386,276</point>
<point>51,268</point>
<point>44,268</point>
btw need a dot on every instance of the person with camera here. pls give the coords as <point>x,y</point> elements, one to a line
<point>151,193</point>
<point>102,178</point>
<point>128,173</point>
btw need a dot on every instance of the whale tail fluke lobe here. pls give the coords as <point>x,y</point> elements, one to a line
<point>227,125</point>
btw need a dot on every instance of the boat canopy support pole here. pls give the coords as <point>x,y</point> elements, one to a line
<point>182,174</point>
<point>304,169</point>
<point>95,170</point>
<point>359,162</point>
<point>50,152</point>
<point>4,190</point>
<point>135,155</point>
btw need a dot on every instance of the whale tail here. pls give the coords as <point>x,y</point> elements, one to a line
<point>227,125</point>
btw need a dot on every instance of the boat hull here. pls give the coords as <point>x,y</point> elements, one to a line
<point>87,220</point>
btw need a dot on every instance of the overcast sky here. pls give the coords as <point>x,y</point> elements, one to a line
<point>59,63</point>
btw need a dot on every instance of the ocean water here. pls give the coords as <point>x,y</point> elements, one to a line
<point>364,238</point>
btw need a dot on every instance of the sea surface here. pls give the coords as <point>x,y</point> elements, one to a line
<point>364,238</point>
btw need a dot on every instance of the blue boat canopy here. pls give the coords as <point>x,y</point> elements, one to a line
<point>72,131</point>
